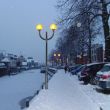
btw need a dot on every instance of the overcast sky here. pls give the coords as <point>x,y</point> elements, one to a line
<point>18,19</point>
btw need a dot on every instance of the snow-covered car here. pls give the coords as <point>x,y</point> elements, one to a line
<point>103,77</point>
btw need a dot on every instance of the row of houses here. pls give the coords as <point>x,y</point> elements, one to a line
<point>14,61</point>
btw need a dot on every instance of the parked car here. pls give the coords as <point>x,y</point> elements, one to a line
<point>103,77</point>
<point>89,72</point>
<point>77,69</point>
<point>71,68</point>
<point>79,73</point>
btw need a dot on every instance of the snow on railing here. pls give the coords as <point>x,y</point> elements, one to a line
<point>51,72</point>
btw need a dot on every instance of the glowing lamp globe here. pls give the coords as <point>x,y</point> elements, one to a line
<point>53,26</point>
<point>59,55</point>
<point>54,55</point>
<point>39,27</point>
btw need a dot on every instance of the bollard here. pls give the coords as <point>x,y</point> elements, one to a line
<point>37,92</point>
<point>42,86</point>
<point>27,103</point>
<point>101,108</point>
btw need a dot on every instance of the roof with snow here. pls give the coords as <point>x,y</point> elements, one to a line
<point>5,60</point>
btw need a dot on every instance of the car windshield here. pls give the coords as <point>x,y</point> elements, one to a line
<point>105,68</point>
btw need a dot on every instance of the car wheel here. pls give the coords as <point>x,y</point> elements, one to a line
<point>92,80</point>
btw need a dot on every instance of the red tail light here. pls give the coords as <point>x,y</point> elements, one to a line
<point>105,76</point>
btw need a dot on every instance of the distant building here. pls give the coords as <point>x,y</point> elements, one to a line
<point>82,59</point>
<point>1,56</point>
<point>97,53</point>
<point>12,58</point>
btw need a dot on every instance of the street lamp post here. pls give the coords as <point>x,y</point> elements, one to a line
<point>53,27</point>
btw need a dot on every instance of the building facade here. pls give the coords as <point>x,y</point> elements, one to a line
<point>97,53</point>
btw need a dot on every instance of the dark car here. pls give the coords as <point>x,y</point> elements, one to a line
<point>89,72</point>
<point>71,68</point>
<point>78,69</point>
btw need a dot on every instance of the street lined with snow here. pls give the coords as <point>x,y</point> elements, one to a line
<point>17,87</point>
<point>67,93</point>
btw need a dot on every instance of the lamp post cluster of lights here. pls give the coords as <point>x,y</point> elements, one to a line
<point>53,27</point>
<point>57,54</point>
<point>57,57</point>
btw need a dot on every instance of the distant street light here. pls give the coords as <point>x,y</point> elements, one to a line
<point>53,27</point>
<point>57,57</point>
<point>39,27</point>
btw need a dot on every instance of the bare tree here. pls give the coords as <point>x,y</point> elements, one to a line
<point>94,9</point>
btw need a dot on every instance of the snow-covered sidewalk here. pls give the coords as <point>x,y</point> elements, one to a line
<point>64,93</point>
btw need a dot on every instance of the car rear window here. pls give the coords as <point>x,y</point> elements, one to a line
<point>105,68</point>
<point>95,67</point>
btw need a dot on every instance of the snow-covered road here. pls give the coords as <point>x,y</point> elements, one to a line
<point>17,87</point>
